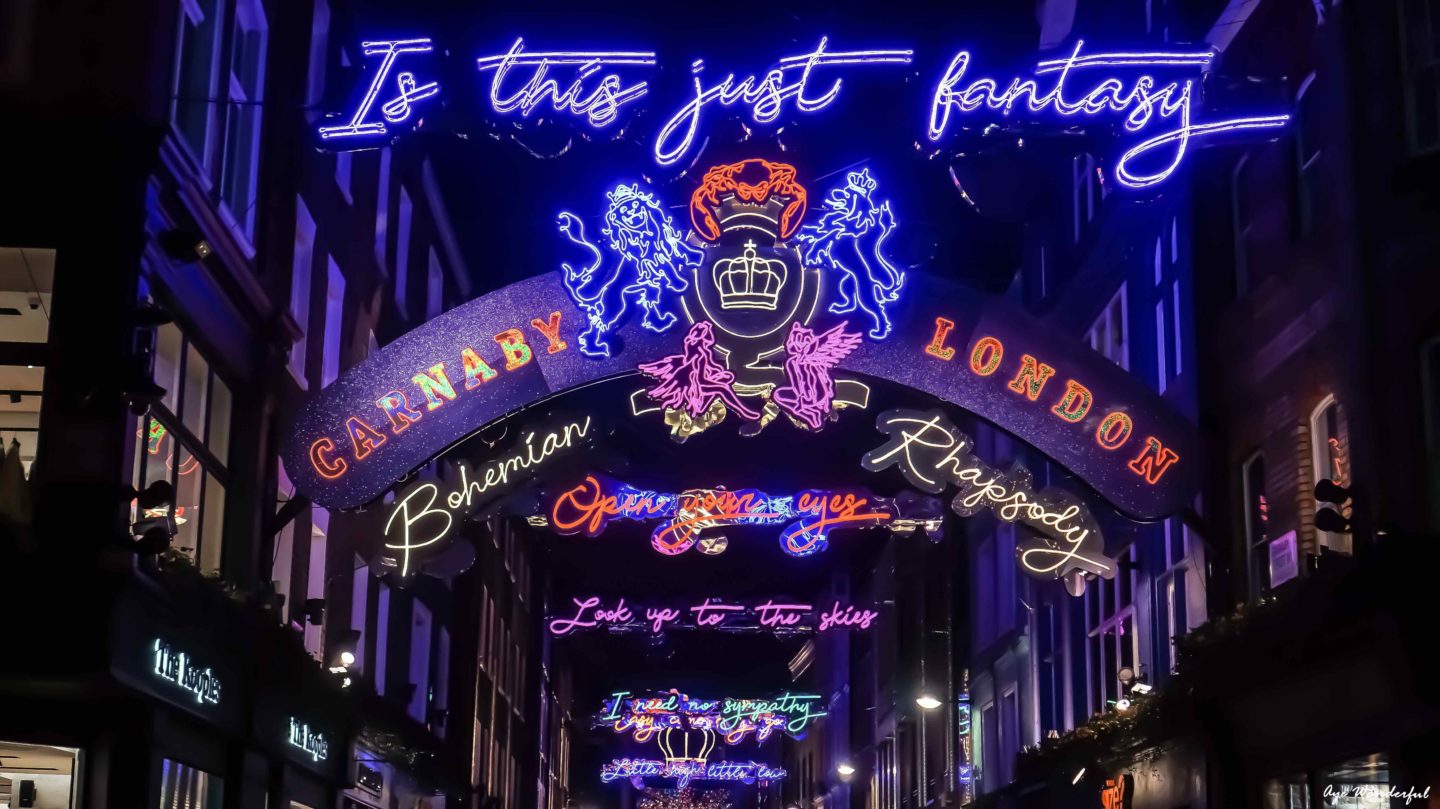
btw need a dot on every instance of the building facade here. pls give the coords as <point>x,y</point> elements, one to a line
<point>187,266</point>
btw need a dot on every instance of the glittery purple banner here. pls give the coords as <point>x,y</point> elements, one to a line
<point>1088,414</point>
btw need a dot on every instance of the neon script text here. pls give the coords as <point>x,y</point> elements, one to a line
<point>769,615</point>
<point>1139,98</point>
<point>395,109</point>
<point>930,452</point>
<point>598,101</point>
<point>417,522</point>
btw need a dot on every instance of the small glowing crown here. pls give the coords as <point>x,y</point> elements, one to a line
<point>749,282</point>
<point>686,745</point>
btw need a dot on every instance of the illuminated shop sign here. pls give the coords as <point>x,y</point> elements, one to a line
<point>426,513</point>
<point>1153,96</point>
<point>755,313</point>
<point>732,719</point>
<point>1118,792</point>
<point>180,670</point>
<point>807,517</point>
<point>312,742</point>
<point>771,615</point>
<point>931,453</point>
<point>684,771</point>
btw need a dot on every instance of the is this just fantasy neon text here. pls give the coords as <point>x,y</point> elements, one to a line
<point>1152,96</point>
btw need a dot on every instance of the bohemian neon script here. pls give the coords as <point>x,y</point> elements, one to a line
<point>769,615</point>
<point>683,771</point>
<point>1161,113</point>
<point>930,452</point>
<point>417,507</point>
<point>811,515</point>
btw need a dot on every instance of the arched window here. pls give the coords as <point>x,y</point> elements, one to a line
<point>1330,459</point>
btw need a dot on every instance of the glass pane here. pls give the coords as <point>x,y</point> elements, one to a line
<point>187,503</point>
<point>168,345</point>
<point>184,787</point>
<point>195,73</point>
<point>212,524</point>
<point>197,379</point>
<point>26,276</point>
<point>21,387</point>
<point>217,439</point>
<point>1286,793</point>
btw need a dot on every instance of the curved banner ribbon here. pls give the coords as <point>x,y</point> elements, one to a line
<point>518,346</point>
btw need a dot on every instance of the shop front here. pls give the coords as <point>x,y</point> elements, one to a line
<point>303,729</point>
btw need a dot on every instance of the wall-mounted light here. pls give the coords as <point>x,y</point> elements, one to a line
<point>845,769</point>
<point>342,646</point>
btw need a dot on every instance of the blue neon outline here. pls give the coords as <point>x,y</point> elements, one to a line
<point>396,110</point>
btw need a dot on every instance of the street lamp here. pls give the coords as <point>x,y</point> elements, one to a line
<point>928,702</point>
<point>846,769</point>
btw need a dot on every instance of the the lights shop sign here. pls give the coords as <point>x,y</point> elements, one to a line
<point>307,740</point>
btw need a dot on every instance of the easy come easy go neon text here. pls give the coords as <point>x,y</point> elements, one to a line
<point>1152,95</point>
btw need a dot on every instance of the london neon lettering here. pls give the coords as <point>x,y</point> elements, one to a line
<point>769,615</point>
<point>1074,404</point>
<point>1138,97</point>
<point>808,517</point>
<point>930,452</point>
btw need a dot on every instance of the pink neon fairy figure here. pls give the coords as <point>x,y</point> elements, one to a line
<point>692,380</point>
<point>808,389</point>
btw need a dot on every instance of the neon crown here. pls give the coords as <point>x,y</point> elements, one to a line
<point>750,282</point>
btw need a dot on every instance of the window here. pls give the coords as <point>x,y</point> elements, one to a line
<point>319,52</point>
<point>422,625</point>
<point>344,163</point>
<point>1330,458</point>
<point>382,637</point>
<point>1109,333</point>
<point>316,578</point>
<point>282,562</point>
<point>26,278</point>
<point>241,158</point>
<point>1257,522</point>
<point>1307,157</point>
<point>1110,624</point>
<point>334,323</point>
<point>988,762</point>
<point>442,683</point>
<point>1083,191</point>
<point>184,787</point>
<point>434,287</point>
<point>1009,735</point>
<point>300,286</point>
<point>197,63</point>
<point>1180,592</point>
<point>1420,57</point>
<point>402,254</point>
<point>186,439</point>
<point>1050,667</point>
<point>382,212</point>
<point>359,605</point>
<point>1241,222</point>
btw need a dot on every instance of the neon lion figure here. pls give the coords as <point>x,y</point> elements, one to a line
<point>650,256</point>
<point>849,239</point>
